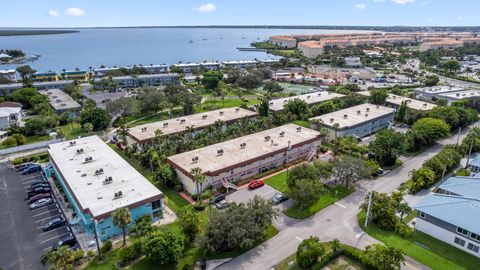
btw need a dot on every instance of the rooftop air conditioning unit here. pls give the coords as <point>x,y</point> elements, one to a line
<point>165,124</point>
<point>267,138</point>
<point>221,112</point>
<point>88,159</point>
<point>194,159</point>
<point>117,195</point>
<point>319,94</point>
<point>99,171</point>
<point>308,97</point>
<point>299,129</point>
<point>378,106</point>
<point>182,121</point>
<point>282,133</point>
<point>331,120</point>
<point>204,116</point>
<point>367,109</point>
<point>242,145</point>
<point>345,116</point>
<point>144,129</point>
<point>108,180</point>
<point>72,143</point>
<point>271,103</point>
<point>220,152</point>
<point>237,109</point>
<point>359,112</point>
<point>80,151</point>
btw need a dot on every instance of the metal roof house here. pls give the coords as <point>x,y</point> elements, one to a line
<point>453,214</point>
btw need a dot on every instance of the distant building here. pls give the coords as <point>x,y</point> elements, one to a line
<point>234,160</point>
<point>353,62</point>
<point>45,76</point>
<point>441,45</point>
<point>9,74</point>
<point>10,115</point>
<point>97,181</point>
<point>277,105</point>
<point>454,96</point>
<point>358,121</point>
<point>151,69</point>
<point>451,215</point>
<point>61,101</point>
<point>142,135</point>
<point>7,89</point>
<point>434,92</point>
<point>474,164</point>
<point>310,49</point>
<point>61,84</point>
<point>74,74</point>
<point>283,41</point>
<point>240,64</point>
<point>141,80</point>
<point>397,100</point>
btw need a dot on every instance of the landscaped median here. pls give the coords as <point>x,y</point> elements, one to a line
<point>423,248</point>
<point>329,196</point>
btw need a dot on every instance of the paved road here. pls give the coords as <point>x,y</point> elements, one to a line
<point>336,221</point>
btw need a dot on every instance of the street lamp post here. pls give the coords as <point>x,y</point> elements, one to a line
<point>94,223</point>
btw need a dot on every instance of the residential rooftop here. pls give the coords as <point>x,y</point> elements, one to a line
<point>439,89</point>
<point>146,132</point>
<point>87,185</point>
<point>60,100</point>
<point>229,154</point>
<point>411,103</point>
<point>353,116</point>
<point>462,185</point>
<point>311,98</point>
<point>461,94</point>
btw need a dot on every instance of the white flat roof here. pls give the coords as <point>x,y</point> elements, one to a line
<point>439,89</point>
<point>7,71</point>
<point>353,116</point>
<point>256,145</point>
<point>411,103</point>
<point>60,82</point>
<point>146,132</point>
<point>90,192</point>
<point>310,98</point>
<point>461,94</point>
<point>60,100</point>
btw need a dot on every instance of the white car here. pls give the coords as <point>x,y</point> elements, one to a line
<point>41,203</point>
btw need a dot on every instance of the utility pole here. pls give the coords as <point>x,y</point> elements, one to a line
<point>368,207</point>
<point>469,152</point>
<point>94,223</point>
<point>458,137</point>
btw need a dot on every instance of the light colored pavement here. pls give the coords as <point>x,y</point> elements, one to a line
<point>336,221</point>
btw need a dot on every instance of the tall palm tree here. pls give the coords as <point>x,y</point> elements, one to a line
<point>59,259</point>
<point>190,130</point>
<point>121,218</point>
<point>158,135</point>
<point>122,131</point>
<point>199,178</point>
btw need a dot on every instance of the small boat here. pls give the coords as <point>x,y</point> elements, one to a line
<point>243,37</point>
<point>204,39</point>
<point>191,41</point>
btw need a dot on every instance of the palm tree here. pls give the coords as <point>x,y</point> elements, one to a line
<point>199,178</point>
<point>468,70</point>
<point>122,131</point>
<point>121,218</point>
<point>190,130</point>
<point>59,259</point>
<point>158,134</point>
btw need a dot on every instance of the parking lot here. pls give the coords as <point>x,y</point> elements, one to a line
<point>23,240</point>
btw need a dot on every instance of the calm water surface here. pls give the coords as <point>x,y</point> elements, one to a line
<point>127,46</point>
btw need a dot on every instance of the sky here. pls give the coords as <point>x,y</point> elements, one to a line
<point>109,13</point>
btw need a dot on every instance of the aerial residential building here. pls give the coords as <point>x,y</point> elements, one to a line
<point>97,181</point>
<point>231,161</point>
<point>358,121</point>
<point>45,76</point>
<point>7,89</point>
<point>276,105</point>
<point>454,96</point>
<point>141,80</point>
<point>310,49</point>
<point>10,115</point>
<point>474,164</point>
<point>397,100</point>
<point>142,135</point>
<point>240,64</point>
<point>435,91</point>
<point>283,41</point>
<point>9,74</point>
<point>353,62</point>
<point>188,67</point>
<point>61,101</point>
<point>439,45</point>
<point>61,84</point>
<point>151,69</point>
<point>451,215</point>
<point>74,74</point>
<point>470,40</point>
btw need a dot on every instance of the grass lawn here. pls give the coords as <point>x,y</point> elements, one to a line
<point>438,256</point>
<point>227,103</point>
<point>302,123</point>
<point>172,199</point>
<point>331,195</point>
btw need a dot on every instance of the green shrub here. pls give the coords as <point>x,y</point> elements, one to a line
<point>78,255</point>
<point>106,247</point>
<point>130,253</point>
<point>222,190</point>
<point>178,187</point>
<point>10,142</point>
<point>207,194</point>
<point>308,252</point>
<point>463,172</point>
<point>200,206</point>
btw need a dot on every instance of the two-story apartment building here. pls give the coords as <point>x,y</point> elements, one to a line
<point>10,114</point>
<point>97,181</point>
<point>231,161</point>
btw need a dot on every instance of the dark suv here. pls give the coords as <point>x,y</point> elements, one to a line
<point>53,224</point>
<point>218,198</point>
<point>66,241</point>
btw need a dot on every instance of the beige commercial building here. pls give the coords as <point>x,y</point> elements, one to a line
<point>310,49</point>
<point>397,100</point>
<point>283,41</point>
<point>276,105</point>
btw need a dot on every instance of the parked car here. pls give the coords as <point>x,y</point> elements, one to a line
<point>255,184</point>
<point>31,169</point>
<point>53,224</point>
<point>37,197</point>
<point>217,199</point>
<point>223,204</point>
<point>66,241</point>
<point>41,203</point>
<point>279,198</point>
<point>24,165</point>
<point>39,181</point>
<point>39,185</point>
<point>35,191</point>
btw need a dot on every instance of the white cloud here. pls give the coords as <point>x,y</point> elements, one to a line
<point>460,18</point>
<point>402,2</point>
<point>378,1</point>
<point>77,12</point>
<point>360,6</point>
<point>205,8</point>
<point>53,13</point>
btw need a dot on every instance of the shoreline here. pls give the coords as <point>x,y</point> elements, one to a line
<point>31,32</point>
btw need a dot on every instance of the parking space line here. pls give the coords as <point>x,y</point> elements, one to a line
<point>29,177</point>
<point>31,181</point>
<point>53,211</point>
<point>343,206</point>
<point>54,230</point>
<point>47,248</point>
<point>52,238</point>
<point>45,212</point>
<point>50,217</point>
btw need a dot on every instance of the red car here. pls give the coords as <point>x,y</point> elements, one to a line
<point>38,197</point>
<point>255,184</point>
